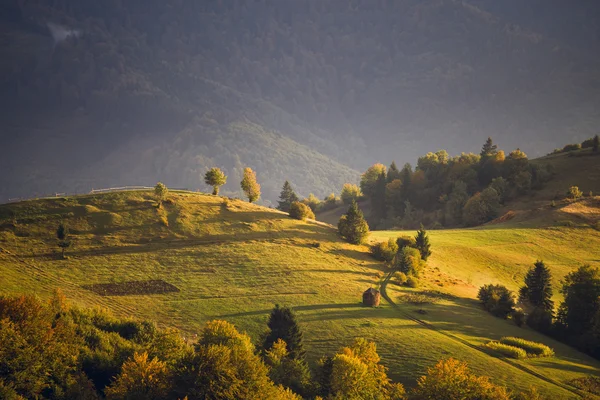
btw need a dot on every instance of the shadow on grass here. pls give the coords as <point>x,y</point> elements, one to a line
<point>174,243</point>
<point>298,308</point>
<point>549,363</point>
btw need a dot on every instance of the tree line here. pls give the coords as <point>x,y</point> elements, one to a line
<point>446,191</point>
<point>51,350</point>
<point>575,322</point>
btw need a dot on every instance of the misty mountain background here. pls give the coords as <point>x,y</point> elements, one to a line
<point>129,92</point>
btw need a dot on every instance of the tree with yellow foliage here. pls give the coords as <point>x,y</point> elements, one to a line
<point>452,379</point>
<point>357,374</point>
<point>140,378</point>
<point>249,185</point>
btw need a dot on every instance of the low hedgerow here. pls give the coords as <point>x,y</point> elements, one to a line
<point>533,349</point>
<point>507,350</point>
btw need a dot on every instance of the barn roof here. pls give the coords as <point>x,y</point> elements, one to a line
<point>371,291</point>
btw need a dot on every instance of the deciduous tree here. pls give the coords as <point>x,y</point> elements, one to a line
<point>350,193</point>
<point>62,234</point>
<point>216,178</point>
<point>250,186</point>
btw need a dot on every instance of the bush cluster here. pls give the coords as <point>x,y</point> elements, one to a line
<point>507,350</point>
<point>497,299</point>
<point>384,251</point>
<point>301,211</point>
<point>533,349</point>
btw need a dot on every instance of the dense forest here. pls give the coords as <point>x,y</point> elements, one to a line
<point>131,92</point>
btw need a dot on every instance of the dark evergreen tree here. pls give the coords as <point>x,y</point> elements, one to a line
<point>393,172</point>
<point>287,197</point>
<point>581,290</point>
<point>283,325</point>
<point>353,226</point>
<point>595,144</point>
<point>537,291</point>
<point>489,149</point>
<point>378,203</point>
<point>422,243</point>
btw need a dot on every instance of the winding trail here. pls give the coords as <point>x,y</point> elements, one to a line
<point>523,368</point>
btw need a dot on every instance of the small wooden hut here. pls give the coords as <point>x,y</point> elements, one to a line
<point>371,297</point>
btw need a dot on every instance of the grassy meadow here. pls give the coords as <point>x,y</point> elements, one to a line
<point>231,260</point>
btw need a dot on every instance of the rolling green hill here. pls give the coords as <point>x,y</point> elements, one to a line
<point>201,257</point>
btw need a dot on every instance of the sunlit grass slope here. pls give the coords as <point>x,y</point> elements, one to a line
<point>232,260</point>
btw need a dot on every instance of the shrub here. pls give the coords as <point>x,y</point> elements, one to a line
<point>590,384</point>
<point>406,241</point>
<point>507,350</point>
<point>497,299</point>
<point>533,349</point>
<point>384,251</point>
<point>540,320</point>
<point>571,147</point>
<point>312,201</point>
<point>518,318</point>
<point>408,260</point>
<point>301,211</point>
<point>412,281</point>
<point>400,278</point>
<point>574,193</point>
<point>588,143</point>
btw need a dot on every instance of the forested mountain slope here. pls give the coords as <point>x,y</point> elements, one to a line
<point>131,92</point>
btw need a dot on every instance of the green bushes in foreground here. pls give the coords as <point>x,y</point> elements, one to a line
<point>507,350</point>
<point>533,349</point>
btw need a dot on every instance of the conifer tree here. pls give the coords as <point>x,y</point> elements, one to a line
<point>537,291</point>
<point>249,185</point>
<point>287,197</point>
<point>489,149</point>
<point>378,203</point>
<point>283,325</point>
<point>215,178</point>
<point>422,243</point>
<point>393,172</point>
<point>581,290</point>
<point>595,144</point>
<point>353,226</point>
